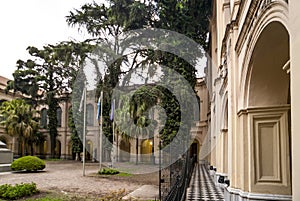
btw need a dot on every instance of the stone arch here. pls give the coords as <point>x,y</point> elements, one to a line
<point>224,133</point>
<point>267,109</point>
<point>195,150</point>
<point>89,150</point>
<point>278,12</point>
<point>69,149</point>
<point>146,150</point>
<point>269,57</point>
<point>57,149</point>
<point>124,155</point>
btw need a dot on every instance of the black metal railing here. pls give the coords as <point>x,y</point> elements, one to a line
<point>174,179</point>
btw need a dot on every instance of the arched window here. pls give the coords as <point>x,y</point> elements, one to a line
<point>58,116</point>
<point>90,115</point>
<point>44,118</point>
<point>197,111</point>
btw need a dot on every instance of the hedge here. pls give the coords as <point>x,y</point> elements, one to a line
<point>28,163</point>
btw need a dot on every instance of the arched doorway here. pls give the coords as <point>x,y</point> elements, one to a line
<point>57,149</point>
<point>146,150</point>
<point>89,150</point>
<point>268,111</point>
<point>194,150</point>
<point>124,155</point>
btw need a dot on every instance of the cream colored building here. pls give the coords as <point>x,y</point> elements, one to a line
<point>253,79</point>
<point>126,151</point>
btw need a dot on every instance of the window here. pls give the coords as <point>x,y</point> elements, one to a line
<point>44,118</point>
<point>90,115</point>
<point>58,116</point>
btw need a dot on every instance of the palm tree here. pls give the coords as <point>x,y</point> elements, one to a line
<point>19,119</point>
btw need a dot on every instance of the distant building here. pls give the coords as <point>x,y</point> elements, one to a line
<point>126,146</point>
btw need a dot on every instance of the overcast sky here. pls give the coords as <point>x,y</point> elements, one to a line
<point>33,23</point>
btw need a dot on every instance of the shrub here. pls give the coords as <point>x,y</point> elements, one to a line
<point>7,191</point>
<point>108,171</point>
<point>28,163</point>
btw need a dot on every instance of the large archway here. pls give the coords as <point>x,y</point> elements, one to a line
<point>146,150</point>
<point>268,111</point>
<point>124,155</point>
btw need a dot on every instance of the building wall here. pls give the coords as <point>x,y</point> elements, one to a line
<point>294,21</point>
<point>250,50</point>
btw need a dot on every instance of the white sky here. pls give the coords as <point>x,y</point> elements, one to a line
<point>36,23</point>
<point>33,23</point>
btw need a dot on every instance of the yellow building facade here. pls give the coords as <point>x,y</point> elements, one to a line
<point>252,80</point>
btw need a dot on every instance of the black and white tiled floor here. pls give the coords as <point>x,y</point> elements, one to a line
<point>202,186</point>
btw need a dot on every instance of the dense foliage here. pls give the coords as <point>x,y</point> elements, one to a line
<point>107,22</point>
<point>10,192</point>
<point>28,163</point>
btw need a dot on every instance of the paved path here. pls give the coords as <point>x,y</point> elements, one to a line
<point>202,186</point>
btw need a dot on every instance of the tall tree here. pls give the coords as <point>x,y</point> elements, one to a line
<point>48,76</point>
<point>20,120</point>
<point>106,23</point>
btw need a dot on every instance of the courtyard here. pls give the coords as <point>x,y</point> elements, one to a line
<point>65,179</point>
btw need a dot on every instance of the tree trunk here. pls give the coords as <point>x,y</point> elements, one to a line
<point>23,147</point>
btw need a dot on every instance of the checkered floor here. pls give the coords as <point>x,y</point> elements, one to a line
<point>202,186</point>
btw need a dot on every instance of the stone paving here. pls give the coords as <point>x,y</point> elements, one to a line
<point>202,186</point>
<point>67,177</point>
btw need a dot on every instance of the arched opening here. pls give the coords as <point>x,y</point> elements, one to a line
<point>45,148</point>
<point>90,115</point>
<point>194,150</point>
<point>44,118</point>
<point>124,155</point>
<point>57,149</point>
<point>59,117</point>
<point>269,83</point>
<point>224,131</point>
<point>70,154</point>
<point>268,110</point>
<point>89,150</point>
<point>146,150</point>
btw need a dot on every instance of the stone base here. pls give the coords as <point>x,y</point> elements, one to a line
<point>231,194</point>
<point>6,156</point>
<point>5,168</point>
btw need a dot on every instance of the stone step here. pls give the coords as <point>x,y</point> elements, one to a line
<point>5,168</point>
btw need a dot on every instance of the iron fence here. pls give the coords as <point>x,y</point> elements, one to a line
<point>174,179</point>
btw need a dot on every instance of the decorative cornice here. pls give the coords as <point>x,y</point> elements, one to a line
<point>257,7</point>
<point>247,24</point>
<point>263,109</point>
